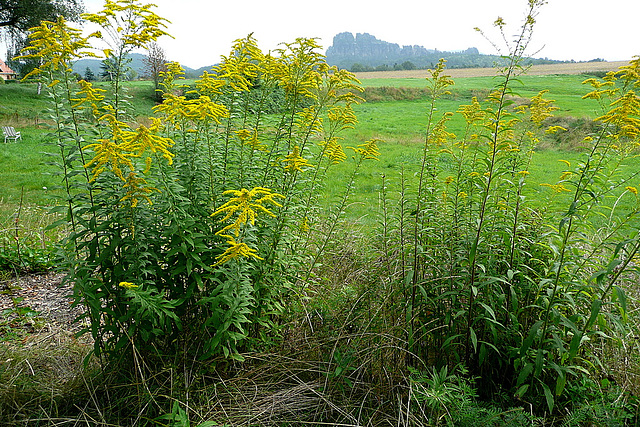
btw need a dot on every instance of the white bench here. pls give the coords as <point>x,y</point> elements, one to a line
<point>11,133</point>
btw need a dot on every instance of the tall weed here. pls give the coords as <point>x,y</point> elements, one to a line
<point>191,232</point>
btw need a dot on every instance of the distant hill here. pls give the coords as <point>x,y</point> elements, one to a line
<point>137,64</point>
<point>364,52</point>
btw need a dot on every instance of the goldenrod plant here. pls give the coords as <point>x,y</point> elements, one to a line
<point>519,296</point>
<point>186,231</point>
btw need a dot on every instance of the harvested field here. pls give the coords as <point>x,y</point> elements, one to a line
<point>535,70</point>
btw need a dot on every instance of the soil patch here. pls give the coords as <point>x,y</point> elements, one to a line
<point>43,293</point>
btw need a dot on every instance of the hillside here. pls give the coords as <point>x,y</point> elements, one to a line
<point>137,64</point>
<point>364,52</point>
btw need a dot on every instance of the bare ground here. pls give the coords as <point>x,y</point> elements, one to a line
<point>45,294</point>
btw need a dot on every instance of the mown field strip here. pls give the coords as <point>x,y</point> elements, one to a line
<point>535,70</point>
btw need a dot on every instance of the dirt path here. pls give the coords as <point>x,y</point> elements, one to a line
<point>43,293</point>
<point>535,70</point>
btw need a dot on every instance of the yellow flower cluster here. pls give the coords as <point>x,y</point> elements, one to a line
<point>440,81</point>
<point>57,45</point>
<point>242,66</point>
<point>472,113</point>
<point>139,27</point>
<point>541,108</point>
<point>235,250</point>
<point>124,145</point>
<point>89,95</point>
<point>557,188</point>
<point>368,150</point>
<point>178,110</point>
<point>128,285</point>
<point>630,73</point>
<point>299,68</point>
<point>294,162</point>
<point>333,150</point>
<point>172,72</point>
<point>624,115</point>
<point>246,204</point>
<point>608,84</point>
<point>308,122</point>
<point>250,138</point>
<point>342,117</point>
<point>439,134</point>
<point>137,188</point>
<point>209,85</point>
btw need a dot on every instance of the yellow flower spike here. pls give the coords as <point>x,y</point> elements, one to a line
<point>128,285</point>
<point>298,68</point>
<point>137,189</point>
<point>554,129</point>
<point>89,95</point>
<point>304,225</point>
<point>235,250</point>
<point>241,67</point>
<point>333,150</point>
<point>557,188</point>
<point>633,190</point>
<point>308,122</point>
<point>565,175</point>
<point>143,138</point>
<point>368,150</point>
<point>295,162</point>
<point>246,204</point>
<point>472,113</point>
<point>343,116</point>
<point>243,134</point>
<point>108,154</point>
<point>624,115</point>
<point>56,45</point>
<point>203,109</point>
<point>630,73</point>
<point>132,24</point>
<point>209,84</point>
<point>566,162</point>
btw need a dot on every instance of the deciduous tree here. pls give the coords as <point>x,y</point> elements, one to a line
<point>154,64</point>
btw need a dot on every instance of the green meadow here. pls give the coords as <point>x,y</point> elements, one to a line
<point>26,175</point>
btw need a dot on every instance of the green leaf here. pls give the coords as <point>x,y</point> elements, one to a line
<point>561,382</point>
<point>474,339</point>
<point>622,297</point>
<point>529,340</point>
<point>525,372</point>
<point>595,310</point>
<point>522,390</point>
<point>539,362</point>
<point>575,344</point>
<point>548,396</point>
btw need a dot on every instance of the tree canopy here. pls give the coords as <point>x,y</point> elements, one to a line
<point>17,16</point>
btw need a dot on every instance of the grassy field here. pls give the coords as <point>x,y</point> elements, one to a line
<point>26,176</point>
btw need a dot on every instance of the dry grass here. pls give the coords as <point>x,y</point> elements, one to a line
<point>535,70</point>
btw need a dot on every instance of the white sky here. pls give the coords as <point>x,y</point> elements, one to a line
<point>565,30</point>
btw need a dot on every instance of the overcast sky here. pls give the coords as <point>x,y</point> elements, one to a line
<point>565,30</point>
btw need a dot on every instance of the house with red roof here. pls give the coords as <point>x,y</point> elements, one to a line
<point>7,73</point>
